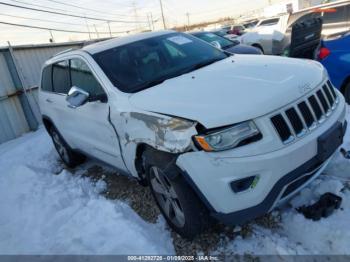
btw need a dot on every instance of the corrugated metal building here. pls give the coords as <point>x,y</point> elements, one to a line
<point>20,69</point>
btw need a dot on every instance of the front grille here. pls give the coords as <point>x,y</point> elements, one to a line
<point>323,101</point>
<point>316,107</point>
<point>297,120</point>
<point>281,127</point>
<point>306,112</point>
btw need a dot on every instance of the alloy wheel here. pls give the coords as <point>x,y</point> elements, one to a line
<point>167,197</point>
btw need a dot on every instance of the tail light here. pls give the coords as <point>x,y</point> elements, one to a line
<point>323,53</point>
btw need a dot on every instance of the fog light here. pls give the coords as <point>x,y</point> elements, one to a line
<point>244,184</point>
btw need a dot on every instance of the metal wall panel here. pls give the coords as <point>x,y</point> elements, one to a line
<point>12,120</point>
<point>28,62</point>
<point>6,84</point>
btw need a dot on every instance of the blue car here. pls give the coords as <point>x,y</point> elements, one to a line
<point>334,54</point>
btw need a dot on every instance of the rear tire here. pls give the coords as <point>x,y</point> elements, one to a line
<point>180,206</point>
<point>68,156</point>
<point>347,92</point>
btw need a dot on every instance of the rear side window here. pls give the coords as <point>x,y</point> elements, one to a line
<point>46,81</point>
<point>83,78</point>
<point>60,77</point>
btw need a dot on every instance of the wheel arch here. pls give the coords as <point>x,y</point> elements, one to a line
<point>47,122</point>
<point>344,84</point>
<point>172,157</point>
<point>259,46</point>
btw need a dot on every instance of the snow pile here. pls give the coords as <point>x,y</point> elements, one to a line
<point>298,235</point>
<point>43,213</point>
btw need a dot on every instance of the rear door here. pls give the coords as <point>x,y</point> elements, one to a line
<point>55,86</point>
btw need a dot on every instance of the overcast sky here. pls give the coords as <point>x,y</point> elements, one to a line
<point>132,14</point>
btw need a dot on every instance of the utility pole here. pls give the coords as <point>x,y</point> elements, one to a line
<point>161,9</point>
<point>188,20</point>
<point>135,14</point>
<point>52,39</point>
<point>98,36</point>
<point>152,22</point>
<point>88,28</point>
<point>149,22</point>
<point>109,28</point>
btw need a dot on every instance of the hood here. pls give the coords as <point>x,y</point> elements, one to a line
<point>233,90</point>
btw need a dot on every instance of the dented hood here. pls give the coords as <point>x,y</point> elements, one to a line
<point>233,90</point>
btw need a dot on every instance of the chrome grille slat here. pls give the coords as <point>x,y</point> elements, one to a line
<point>328,95</point>
<point>305,115</point>
<point>332,89</point>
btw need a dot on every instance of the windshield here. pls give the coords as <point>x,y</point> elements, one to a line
<point>139,65</point>
<point>210,38</point>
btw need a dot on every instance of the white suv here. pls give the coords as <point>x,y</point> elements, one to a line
<point>213,134</point>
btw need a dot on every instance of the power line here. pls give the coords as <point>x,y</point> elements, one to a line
<point>61,30</point>
<point>38,19</point>
<point>88,9</point>
<point>71,15</point>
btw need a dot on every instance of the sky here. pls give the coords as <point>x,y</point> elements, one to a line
<point>127,15</point>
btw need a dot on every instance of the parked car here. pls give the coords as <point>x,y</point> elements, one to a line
<point>227,45</point>
<point>225,33</point>
<point>211,133</point>
<point>334,54</point>
<point>235,29</point>
<point>250,24</point>
<point>273,35</point>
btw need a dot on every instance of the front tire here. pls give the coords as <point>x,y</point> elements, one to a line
<point>68,156</point>
<point>180,206</point>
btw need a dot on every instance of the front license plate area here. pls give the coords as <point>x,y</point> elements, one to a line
<point>329,142</point>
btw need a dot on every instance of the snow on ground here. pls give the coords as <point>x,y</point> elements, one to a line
<point>43,213</point>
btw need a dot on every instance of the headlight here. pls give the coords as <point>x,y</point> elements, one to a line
<point>228,138</point>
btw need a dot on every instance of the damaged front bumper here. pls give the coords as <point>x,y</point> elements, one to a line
<point>277,175</point>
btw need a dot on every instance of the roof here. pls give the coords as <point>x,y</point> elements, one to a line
<point>115,42</point>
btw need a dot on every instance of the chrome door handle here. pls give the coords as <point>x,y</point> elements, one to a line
<point>49,100</point>
<point>71,106</point>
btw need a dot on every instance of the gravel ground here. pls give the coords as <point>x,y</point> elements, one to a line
<point>140,199</point>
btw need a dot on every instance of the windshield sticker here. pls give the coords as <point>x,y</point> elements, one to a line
<point>210,35</point>
<point>180,40</point>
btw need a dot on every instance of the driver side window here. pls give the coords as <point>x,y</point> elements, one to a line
<point>83,78</point>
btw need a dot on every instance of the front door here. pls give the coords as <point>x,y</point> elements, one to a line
<point>87,127</point>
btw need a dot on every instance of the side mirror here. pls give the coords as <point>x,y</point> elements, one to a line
<point>77,97</point>
<point>216,44</point>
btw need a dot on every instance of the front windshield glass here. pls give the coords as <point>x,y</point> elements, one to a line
<point>210,38</point>
<point>139,65</point>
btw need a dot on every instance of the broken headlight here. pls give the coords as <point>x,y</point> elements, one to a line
<point>229,137</point>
